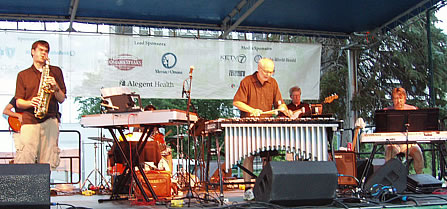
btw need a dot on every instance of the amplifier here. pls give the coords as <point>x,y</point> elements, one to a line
<point>346,165</point>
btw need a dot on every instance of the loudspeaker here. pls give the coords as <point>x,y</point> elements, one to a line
<point>392,173</point>
<point>346,165</point>
<point>25,186</point>
<point>423,183</point>
<point>293,183</point>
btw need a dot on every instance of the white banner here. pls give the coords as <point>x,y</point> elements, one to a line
<point>156,67</point>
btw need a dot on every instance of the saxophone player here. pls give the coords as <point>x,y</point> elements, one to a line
<point>39,135</point>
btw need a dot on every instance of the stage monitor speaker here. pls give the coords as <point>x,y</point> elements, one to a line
<point>25,186</point>
<point>293,183</point>
<point>423,183</point>
<point>392,173</point>
<point>346,165</point>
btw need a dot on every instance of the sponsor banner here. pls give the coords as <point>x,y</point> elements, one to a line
<point>158,67</point>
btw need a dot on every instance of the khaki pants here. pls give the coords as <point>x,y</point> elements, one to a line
<point>414,151</point>
<point>39,143</point>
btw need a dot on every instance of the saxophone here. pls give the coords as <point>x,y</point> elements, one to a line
<point>44,93</point>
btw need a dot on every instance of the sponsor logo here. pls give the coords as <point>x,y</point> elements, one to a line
<point>149,84</point>
<point>63,53</point>
<point>158,71</point>
<point>282,59</point>
<point>237,73</point>
<point>232,58</point>
<point>8,52</point>
<point>125,62</point>
<point>169,60</point>
<point>257,58</point>
<point>70,53</point>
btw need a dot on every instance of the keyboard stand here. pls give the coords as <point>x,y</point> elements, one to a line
<point>135,163</point>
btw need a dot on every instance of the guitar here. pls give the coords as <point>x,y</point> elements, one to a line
<point>14,123</point>
<point>330,99</point>
<point>327,100</point>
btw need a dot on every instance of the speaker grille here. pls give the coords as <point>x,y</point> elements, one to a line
<point>297,183</point>
<point>25,184</point>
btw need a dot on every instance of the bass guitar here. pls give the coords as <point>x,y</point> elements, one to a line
<point>317,107</point>
<point>330,99</point>
<point>14,123</point>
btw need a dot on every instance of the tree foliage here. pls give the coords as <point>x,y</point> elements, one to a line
<point>389,60</point>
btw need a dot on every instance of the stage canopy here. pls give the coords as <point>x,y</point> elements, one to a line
<point>339,18</point>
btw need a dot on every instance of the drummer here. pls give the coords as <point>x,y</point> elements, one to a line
<point>156,134</point>
<point>166,154</point>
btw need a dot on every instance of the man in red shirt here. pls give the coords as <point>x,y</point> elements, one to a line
<point>257,94</point>
<point>39,136</point>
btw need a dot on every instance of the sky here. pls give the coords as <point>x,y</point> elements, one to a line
<point>442,16</point>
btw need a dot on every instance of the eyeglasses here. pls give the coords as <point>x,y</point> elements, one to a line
<point>268,73</point>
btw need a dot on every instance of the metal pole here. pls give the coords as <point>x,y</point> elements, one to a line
<point>432,101</point>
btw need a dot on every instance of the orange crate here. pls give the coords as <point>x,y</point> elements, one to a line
<point>160,182</point>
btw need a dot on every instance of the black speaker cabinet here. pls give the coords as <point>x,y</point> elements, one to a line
<point>392,173</point>
<point>423,183</point>
<point>293,183</point>
<point>25,186</point>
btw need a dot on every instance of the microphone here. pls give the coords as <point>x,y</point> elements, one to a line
<point>183,90</point>
<point>191,68</point>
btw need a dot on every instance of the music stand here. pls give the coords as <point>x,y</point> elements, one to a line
<point>120,99</point>
<point>418,120</point>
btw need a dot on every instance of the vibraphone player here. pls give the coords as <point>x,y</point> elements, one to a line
<point>257,94</point>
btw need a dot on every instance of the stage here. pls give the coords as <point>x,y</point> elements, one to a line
<point>234,199</point>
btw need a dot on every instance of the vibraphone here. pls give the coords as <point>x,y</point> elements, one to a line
<point>307,137</point>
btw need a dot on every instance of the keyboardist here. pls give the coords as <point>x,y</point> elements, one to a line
<point>257,94</point>
<point>399,97</point>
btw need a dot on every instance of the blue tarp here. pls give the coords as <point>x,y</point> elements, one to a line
<point>314,16</point>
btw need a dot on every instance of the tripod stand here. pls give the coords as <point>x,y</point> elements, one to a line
<point>95,171</point>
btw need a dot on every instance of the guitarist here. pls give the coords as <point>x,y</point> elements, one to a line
<point>16,113</point>
<point>299,108</point>
<point>14,116</point>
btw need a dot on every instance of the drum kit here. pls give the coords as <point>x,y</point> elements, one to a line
<point>101,139</point>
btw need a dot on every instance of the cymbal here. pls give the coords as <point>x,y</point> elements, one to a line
<point>101,139</point>
<point>175,136</point>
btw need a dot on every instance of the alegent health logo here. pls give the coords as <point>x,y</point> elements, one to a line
<point>125,62</point>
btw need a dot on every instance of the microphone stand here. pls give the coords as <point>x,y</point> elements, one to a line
<point>406,141</point>
<point>189,195</point>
